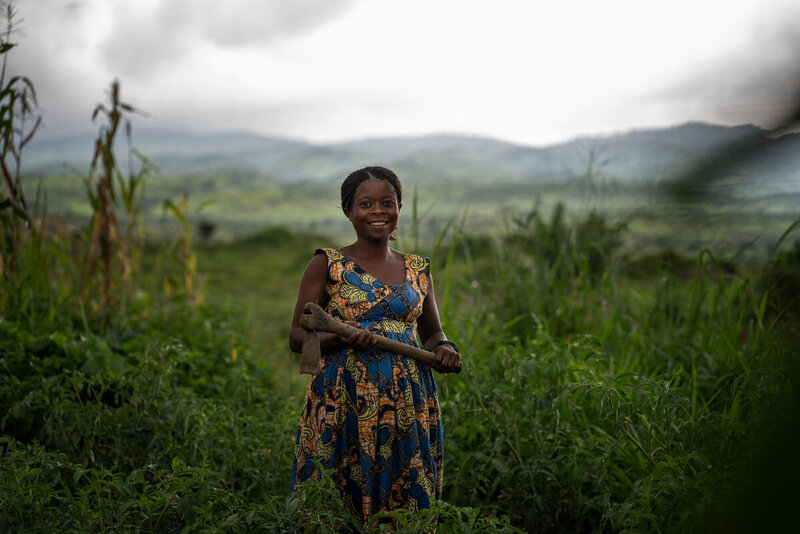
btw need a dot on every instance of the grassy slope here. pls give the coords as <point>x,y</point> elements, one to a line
<point>591,399</point>
<point>260,276</point>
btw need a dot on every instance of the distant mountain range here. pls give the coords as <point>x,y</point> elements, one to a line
<point>638,156</point>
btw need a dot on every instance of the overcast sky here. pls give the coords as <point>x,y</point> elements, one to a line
<point>328,70</point>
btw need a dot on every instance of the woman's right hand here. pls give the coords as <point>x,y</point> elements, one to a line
<point>449,359</point>
<point>362,339</point>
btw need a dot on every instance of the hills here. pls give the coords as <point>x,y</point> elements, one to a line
<point>639,156</point>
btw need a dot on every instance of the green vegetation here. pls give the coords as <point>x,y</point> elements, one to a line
<point>597,395</point>
<point>146,383</point>
<point>236,204</point>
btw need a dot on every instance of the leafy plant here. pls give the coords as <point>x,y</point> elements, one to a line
<point>17,108</point>
<point>107,187</point>
<point>183,255</point>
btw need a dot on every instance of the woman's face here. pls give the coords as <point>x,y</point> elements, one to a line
<point>375,210</point>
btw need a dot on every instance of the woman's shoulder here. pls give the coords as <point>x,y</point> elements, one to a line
<point>331,261</point>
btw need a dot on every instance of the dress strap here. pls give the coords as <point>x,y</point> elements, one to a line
<point>333,254</point>
<point>418,269</point>
<point>336,262</point>
<point>333,275</point>
<point>420,264</point>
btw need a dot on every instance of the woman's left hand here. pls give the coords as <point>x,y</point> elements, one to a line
<point>449,359</point>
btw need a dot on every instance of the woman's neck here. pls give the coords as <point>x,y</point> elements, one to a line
<point>370,249</point>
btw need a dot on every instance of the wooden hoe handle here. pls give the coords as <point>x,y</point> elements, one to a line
<point>315,319</point>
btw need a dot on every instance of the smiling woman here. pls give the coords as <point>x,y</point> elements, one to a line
<point>370,415</point>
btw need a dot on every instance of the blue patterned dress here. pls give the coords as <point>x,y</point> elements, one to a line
<point>373,416</point>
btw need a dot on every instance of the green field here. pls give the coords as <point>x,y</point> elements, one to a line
<point>237,204</point>
<point>605,389</point>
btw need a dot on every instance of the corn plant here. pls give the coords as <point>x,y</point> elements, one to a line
<point>20,242</point>
<point>107,188</point>
<point>18,105</point>
<point>182,254</point>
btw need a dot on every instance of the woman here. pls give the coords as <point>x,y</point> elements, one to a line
<point>373,416</point>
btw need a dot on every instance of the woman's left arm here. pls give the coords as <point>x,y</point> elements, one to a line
<point>432,336</point>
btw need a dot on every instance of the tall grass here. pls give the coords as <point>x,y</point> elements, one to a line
<point>591,401</point>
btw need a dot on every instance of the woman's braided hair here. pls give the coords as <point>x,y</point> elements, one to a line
<point>355,178</point>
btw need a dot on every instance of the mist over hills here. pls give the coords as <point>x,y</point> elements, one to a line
<point>638,156</point>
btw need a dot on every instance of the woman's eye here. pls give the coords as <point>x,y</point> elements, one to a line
<point>364,204</point>
<point>388,203</point>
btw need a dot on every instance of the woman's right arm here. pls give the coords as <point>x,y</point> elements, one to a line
<point>312,289</point>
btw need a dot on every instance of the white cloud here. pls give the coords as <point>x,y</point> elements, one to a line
<point>147,37</point>
<point>57,50</point>
<point>329,70</point>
